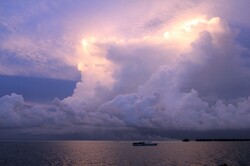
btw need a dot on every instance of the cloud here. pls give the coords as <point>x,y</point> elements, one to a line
<point>46,34</point>
<point>156,87</point>
<point>15,114</point>
<point>181,70</point>
<point>33,42</point>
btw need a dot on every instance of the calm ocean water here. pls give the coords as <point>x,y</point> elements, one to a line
<point>81,153</point>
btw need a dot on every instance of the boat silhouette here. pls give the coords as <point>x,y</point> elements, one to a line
<point>142,143</point>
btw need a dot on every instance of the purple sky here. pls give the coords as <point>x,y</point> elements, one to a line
<point>124,69</point>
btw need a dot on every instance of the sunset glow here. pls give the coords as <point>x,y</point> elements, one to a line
<point>123,69</point>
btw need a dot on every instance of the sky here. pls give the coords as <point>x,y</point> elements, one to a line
<point>124,69</point>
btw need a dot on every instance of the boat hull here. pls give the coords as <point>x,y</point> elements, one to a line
<point>144,144</point>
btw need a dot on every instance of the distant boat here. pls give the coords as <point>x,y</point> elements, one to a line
<point>144,144</point>
<point>185,140</point>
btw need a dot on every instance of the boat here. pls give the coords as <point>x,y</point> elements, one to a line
<point>142,143</point>
<point>185,140</point>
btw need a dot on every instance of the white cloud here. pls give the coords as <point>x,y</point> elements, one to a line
<point>188,75</point>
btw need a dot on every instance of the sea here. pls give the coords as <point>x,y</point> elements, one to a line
<point>122,153</point>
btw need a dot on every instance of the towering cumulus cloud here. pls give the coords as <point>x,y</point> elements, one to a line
<point>189,78</point>
<point>189,72</point>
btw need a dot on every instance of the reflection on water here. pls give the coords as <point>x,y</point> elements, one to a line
<point>123,153</point>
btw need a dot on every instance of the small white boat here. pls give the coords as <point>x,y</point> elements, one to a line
<point>141,143</point>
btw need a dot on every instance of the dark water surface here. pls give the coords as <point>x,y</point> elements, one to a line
<point>81,153</point>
